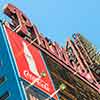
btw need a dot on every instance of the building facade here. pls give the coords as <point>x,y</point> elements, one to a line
<point>32,67</point>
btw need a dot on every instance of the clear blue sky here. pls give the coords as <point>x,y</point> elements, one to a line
<point>58,19</point>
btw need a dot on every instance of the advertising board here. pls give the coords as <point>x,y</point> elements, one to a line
<point>29,62</point>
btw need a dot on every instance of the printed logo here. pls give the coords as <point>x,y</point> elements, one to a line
<point>30,60</point>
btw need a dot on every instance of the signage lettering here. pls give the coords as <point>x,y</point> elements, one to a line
<point>19,19</point>
<point>30,60</point>
<point>41,83</point>
<point>22,25</point>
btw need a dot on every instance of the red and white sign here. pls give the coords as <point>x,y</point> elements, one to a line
<point>29,62</point>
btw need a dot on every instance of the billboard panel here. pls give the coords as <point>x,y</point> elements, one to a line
<point>29,61</point>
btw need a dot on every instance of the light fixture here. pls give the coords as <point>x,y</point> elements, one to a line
<point>61,87</point>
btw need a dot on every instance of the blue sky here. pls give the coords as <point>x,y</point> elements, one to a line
<point>59,19</point>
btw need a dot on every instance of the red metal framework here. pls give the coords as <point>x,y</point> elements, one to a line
<point>81,66</point>
<point>73,57</point>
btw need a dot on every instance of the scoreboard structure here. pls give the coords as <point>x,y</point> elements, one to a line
<point>39,69</point>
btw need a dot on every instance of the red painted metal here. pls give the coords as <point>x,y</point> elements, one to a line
<point>29,70</point>
<point>22,25</point>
